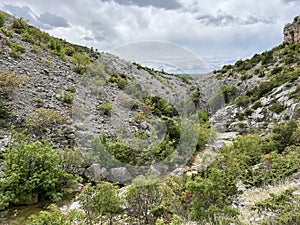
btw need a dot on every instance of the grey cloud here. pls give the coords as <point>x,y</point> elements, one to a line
<point>254,20</point>
<point>288,1</point>
<point>164,4</point>
<point>102,31</point>
<point>45,20</point>
<point>227,20</point>
<point>24,11</point>
<point>53,20</point>
<point>88,38</point>
<point>218,20</point>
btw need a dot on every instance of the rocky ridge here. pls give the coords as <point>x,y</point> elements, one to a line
<point>292,32</point>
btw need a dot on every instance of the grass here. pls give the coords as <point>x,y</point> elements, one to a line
<point>254,195</point>
<point>20,214</point>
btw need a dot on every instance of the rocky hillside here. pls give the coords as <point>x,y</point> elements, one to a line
<point>71,94</point>
<point>113,120</point>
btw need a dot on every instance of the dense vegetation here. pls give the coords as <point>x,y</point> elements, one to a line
<point>205,197</point>
<point>32,169</point>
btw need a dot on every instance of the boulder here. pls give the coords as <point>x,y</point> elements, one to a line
<point>120,175</point>
<point>96,173</point>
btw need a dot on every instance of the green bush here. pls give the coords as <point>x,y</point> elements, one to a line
<point>32,168</point>
<point>276,70</point>
<point>277,107</point>
<point>119,80</point>
<point>10,81</point>
<point>160,106</point>
<point>16,49</point>
<point>267,57</point>
<point>228,92</point>
<point>8,33</point>
<point>143,198</point>
<point>4,114</point>
<point>44,119</point>
<point>101,203</point>
<point>195,97</point>
<point>81,61</point>
<point>68,97</point>
<point>54,215</point>
<point>2,18</point>
<point>105,108</point>
<point>242,101</point>
<point>203,116</point>
<point>279,209</point>
<point>212,196</point>
<point>256,105</point>
<point>19,25</point>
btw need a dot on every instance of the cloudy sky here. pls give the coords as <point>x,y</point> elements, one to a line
<point>193,35</point>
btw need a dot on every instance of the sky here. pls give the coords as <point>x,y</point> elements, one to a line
<point>191,36</point>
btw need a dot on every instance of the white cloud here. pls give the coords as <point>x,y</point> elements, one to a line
<point>216,30</point>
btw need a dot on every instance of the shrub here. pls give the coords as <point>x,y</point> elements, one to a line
<point>32,168</point>
<point>211,196</point>
<point>195,97</point>
<point>55,45</point>
<point>256,105</point>
<point>81,60</point>
<point>276,70</point>
<point>143,197</point>
<point>101,203</point>
<point>242,101</point>
<point>203,116</point>
<point>19,25</point>
<point>44,119</point>
<point>10,80</point>
<point>54,215</point>
<point>160,106</point>
<point>2,18</point>
<point>105,108</point>
<point>4,113</point>
<point>8,33</point>
<point>228,92</point>
<point>279,209</point>
<point>16,49</point>
<point>267,57</point>
<point>68,97</point>
<point>277,107</point>
<point>119,80</point>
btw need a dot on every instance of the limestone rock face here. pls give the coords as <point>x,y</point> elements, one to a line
<point>292,32</point>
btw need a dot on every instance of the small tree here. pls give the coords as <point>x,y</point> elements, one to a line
<point>32,168</point>
<point>143,198</point>
<point>101,203</point>
<point>81,60</point>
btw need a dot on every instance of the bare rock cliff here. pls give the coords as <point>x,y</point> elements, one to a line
<point>292,32</point>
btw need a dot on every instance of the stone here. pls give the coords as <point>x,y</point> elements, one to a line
<point>120,175</point>
<point>178,172</point>
<point>292,32</point>
<point>96,173</point>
